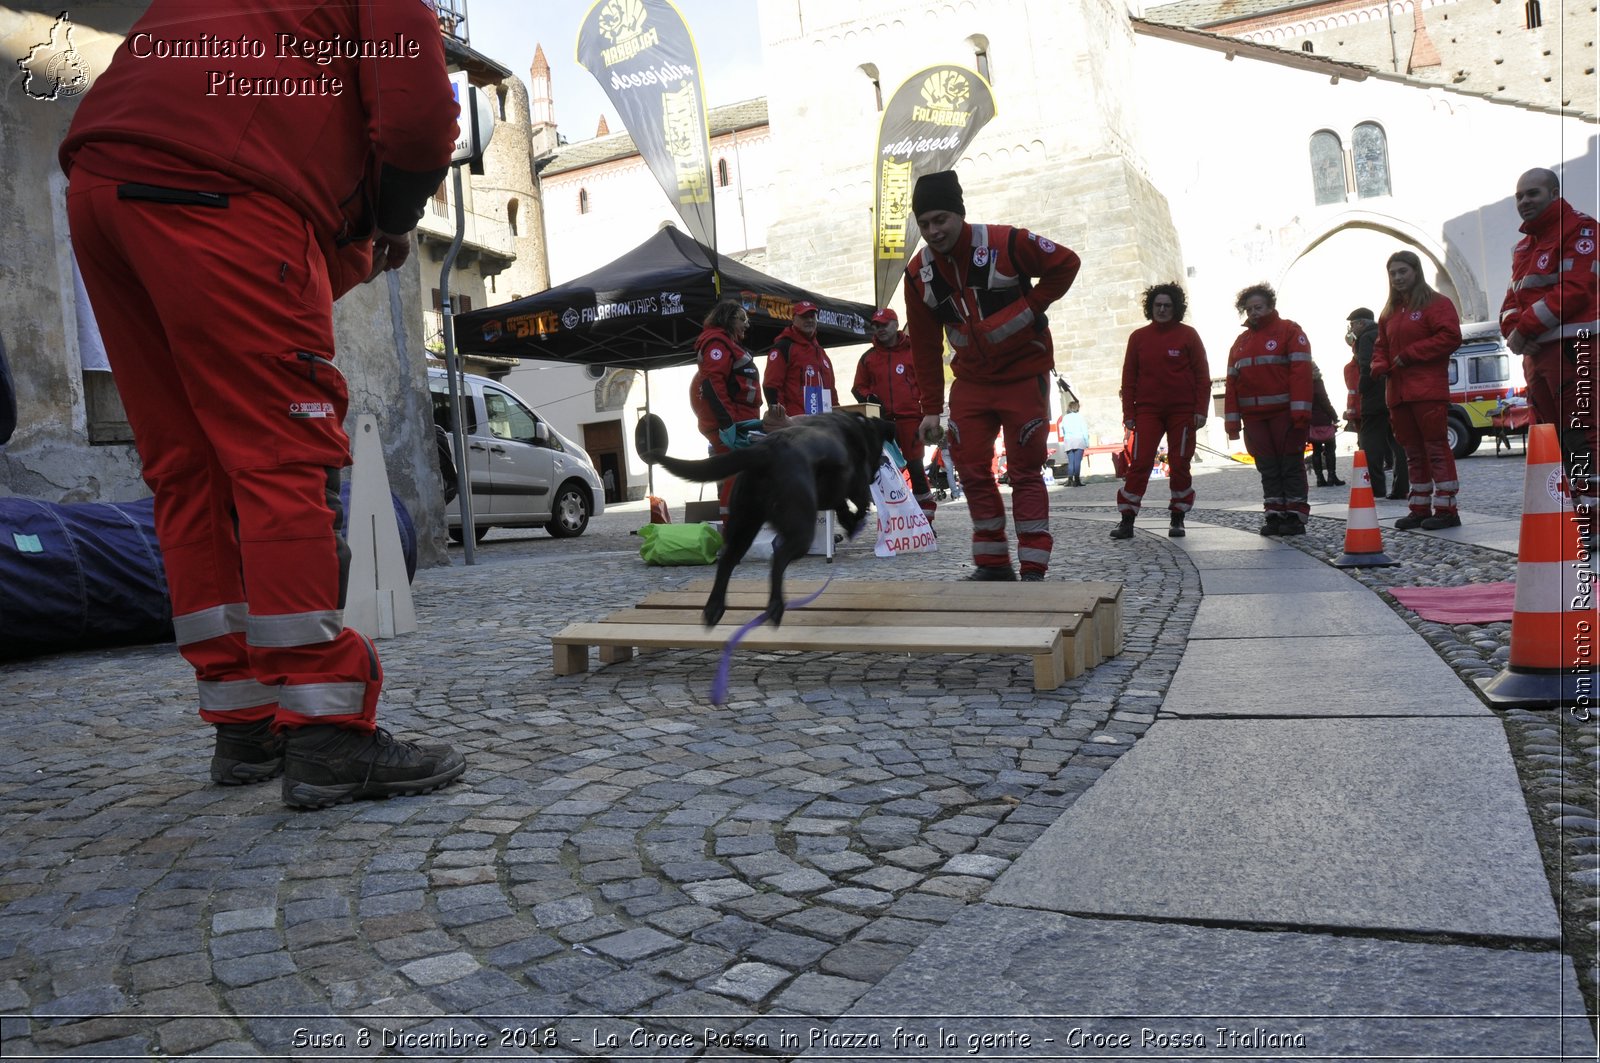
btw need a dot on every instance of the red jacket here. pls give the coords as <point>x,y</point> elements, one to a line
<point>1165,371</point>
<point>1414,348</point>
<point>887,375</point>
<point>727,385</point>
<point>981,296</point>
<point>1555,290</point>
<point>1269,371</point>
<point>1352,392</point>
<point>362,144</point>
<point>794,364</point>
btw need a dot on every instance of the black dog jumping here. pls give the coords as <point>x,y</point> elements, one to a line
<point>826,461</point>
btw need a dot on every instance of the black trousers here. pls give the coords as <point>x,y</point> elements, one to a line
<point>1378,443</point>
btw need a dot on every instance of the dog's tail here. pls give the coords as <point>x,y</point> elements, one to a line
<point>716,467</point>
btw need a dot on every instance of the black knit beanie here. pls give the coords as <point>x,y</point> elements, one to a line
<point>938,191</point>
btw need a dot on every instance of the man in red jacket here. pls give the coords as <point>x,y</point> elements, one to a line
<point>1268,399</point>
<point>885,375</point>
<point>972,286</point>
<point>1166,390</point>
<point>215,223</point>
<point>799,375</point>
<point>1549,316</point>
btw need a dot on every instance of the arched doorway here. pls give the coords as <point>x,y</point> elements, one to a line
<point>1336,274</point>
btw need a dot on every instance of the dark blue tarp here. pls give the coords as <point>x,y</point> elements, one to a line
<point>79,575</point>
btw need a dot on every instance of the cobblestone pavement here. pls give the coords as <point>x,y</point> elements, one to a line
<point>621,859</point>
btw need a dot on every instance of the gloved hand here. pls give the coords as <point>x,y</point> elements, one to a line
<point>1233,433</point>
<point>738,435</point>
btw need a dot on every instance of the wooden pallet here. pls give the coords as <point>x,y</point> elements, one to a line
<point>873,616</point>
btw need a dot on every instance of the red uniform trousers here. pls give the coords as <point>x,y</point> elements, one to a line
<point>1021,410</point>
<point>1562,388</point>
<point>218,324</point>
<point>909,439</point>
<point>1279,449</point>
<point>1421,428</point>
<point>1148,428</point>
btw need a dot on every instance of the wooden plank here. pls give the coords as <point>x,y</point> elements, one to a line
<point>1049,589</point>
<point>1080,641</point>
<point>913,599</point>
<point>1102,601</point>
<point>1043,644</point>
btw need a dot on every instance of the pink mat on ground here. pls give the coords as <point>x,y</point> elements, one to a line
<point>1478,603</point>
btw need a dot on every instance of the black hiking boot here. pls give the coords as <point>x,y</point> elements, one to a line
<point>246,753</point>
<point>1175,531</point>
<point>1124,530</point>
<point>992,574</point>
<point>329,765</point>
<point>1032,575</point>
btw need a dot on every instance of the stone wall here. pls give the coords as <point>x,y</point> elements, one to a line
<point>1482,45</point>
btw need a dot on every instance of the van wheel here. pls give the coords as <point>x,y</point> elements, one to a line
<point>478,533</point>
<point>1459,436</point>
<point>570,514</point>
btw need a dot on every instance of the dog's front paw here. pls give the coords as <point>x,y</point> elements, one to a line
<point>712,614</point>
<point>775,611</point>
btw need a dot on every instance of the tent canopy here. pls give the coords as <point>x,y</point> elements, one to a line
<point>644,311</point>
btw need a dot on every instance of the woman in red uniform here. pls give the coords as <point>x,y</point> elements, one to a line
<point>1268,399</point>
<point>726,391</point>
<point>1418,330</point>
<point>1166,391</point>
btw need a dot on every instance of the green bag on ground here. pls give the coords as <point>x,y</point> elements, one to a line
<point>679,544</point>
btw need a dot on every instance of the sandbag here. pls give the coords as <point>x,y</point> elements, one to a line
<point>679,544</point>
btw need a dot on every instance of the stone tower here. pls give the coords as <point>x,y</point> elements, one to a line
<point>508,189</point>
<point>541,105</point>
<point>1060,157</point>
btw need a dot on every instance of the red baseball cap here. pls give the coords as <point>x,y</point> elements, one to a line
<point>803,307</point>
<point>886,316</point>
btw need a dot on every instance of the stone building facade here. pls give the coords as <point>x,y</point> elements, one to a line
<point>1540,52</point>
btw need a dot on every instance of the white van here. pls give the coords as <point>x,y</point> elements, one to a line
<point>523,472</point>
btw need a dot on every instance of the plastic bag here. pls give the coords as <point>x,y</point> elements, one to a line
<point>679,544</point>
<point>902,526</point>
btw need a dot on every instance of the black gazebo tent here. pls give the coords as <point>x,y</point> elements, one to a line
<point>643,311</point>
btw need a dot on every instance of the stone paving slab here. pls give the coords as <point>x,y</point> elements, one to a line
<point>1262,616</point>
<point>1086,984</point>
<point>1402,825</point>
<point>1291,579</point>
<point>1327,675</point>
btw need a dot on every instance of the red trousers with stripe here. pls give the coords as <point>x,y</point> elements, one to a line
<point>1020,410</point>
<point>1148,428</point>
<point>1421,428</point>
<point>218,323</point>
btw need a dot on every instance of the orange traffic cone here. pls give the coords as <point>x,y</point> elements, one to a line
<point>1554,622</point>
<point>1363,542</point>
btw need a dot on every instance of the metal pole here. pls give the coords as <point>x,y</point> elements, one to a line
<point>458,381</point>
<point>649,466</point>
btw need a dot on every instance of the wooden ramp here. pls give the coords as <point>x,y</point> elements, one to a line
<point>1066,628</point>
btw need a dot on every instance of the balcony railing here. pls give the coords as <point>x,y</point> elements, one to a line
<point>482,232</point>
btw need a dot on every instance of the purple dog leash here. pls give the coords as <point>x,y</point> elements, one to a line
<point>719,686</point>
